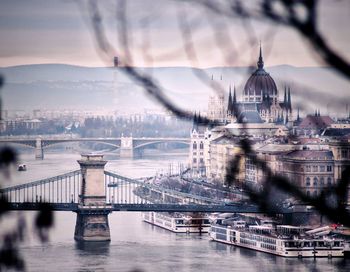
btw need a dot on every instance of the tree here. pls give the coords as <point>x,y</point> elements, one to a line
<point>283,12</point>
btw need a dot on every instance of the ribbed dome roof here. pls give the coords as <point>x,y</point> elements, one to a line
<point>260,82</point>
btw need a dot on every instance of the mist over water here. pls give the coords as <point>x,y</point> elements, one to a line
<point>135,244</point>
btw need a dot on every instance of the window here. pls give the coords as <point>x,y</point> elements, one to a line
<point>322,181</point>
<point>344,153</point>
<point>201,160</point>
<point>194,153</point>
<point>307,181</point>
<point>329,168</point>
<point>322,168</point>
<point>194,160</point>
<point>308,193</point>
<point>329,181</point>
<point>201,146</point>
<point>315,193</point>
<point>194,145</point>
<point>315,181</point>
<point>314,168</point>
<point>308,168</point>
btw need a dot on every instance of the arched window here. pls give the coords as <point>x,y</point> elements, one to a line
<point>322,181</point>
<point>315,181</point>
<point>201,146</point>
<point>194,145</point>
<point>308,193</point>
<point>329,181</point>
<point>307,181</point>
<point>315,193</point>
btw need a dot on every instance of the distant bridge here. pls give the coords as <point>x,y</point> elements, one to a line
<point>126,145</point>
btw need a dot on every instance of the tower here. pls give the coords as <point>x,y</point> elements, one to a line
<point>92,214</point>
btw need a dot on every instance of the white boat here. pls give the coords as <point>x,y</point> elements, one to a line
<point>282,240</point>
<point>178,222</point>
<point>22,167</point>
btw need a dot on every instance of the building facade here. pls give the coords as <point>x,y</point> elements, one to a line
<point>312,171</point>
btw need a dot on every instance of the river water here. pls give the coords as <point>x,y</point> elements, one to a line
<point>135,245</point>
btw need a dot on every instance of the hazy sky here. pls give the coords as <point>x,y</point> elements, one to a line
<point>36,31</point>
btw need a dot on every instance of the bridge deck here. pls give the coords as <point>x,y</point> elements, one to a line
<point>210,208</point>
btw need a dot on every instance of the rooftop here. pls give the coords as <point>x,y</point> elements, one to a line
<point>310,154</point>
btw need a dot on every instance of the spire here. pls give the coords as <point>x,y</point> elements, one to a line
<point>319,112</point>
<point>229,105</point>
<point>289,100</point>
<point>194,121</point>
<point>316,112</point>
<point>268,100</point>
<point>285,97</point>
<point>260,61</point>
<point>234,101</point>
<point>199,119</point>
<point>298,117</point>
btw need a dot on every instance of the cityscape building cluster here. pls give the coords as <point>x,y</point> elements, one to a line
<point>312,152</point>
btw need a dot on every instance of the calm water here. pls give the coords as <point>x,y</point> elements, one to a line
<point>136,245</point>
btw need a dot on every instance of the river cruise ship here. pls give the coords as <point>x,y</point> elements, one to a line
<point>178,222</point>
<point>281,240</point>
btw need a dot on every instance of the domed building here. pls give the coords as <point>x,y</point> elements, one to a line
<point>260,100</point>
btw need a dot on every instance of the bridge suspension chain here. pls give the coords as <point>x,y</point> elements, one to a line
<point>60,189</point>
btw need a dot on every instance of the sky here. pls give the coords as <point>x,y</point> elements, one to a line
<point>36,31</point>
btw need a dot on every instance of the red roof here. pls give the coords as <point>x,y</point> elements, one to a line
<point>316,122</point>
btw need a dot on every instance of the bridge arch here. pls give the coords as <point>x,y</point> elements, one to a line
<point>49,144</point>
<point>26,144</point>
<point>142,145</point>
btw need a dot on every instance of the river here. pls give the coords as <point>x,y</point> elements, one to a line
<point>135,245</point>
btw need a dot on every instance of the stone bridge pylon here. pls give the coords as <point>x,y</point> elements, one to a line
<point>39,149</point>
<point>92,214</point>
<point>126,147</point>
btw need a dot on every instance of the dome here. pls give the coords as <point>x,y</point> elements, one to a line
<point>259,84</point>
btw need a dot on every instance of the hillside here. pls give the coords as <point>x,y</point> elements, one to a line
<point>58,86</point>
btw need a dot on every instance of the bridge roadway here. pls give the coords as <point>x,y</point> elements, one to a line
<point>115,142</point>
<point>146,207</point>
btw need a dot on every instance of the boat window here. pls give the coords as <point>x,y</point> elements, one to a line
<point>290,244</point>
<point>336,243</point>
<point>179,221</point>
<point>306,244</point>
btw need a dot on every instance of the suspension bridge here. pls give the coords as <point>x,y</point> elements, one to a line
<point>93,193</point>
